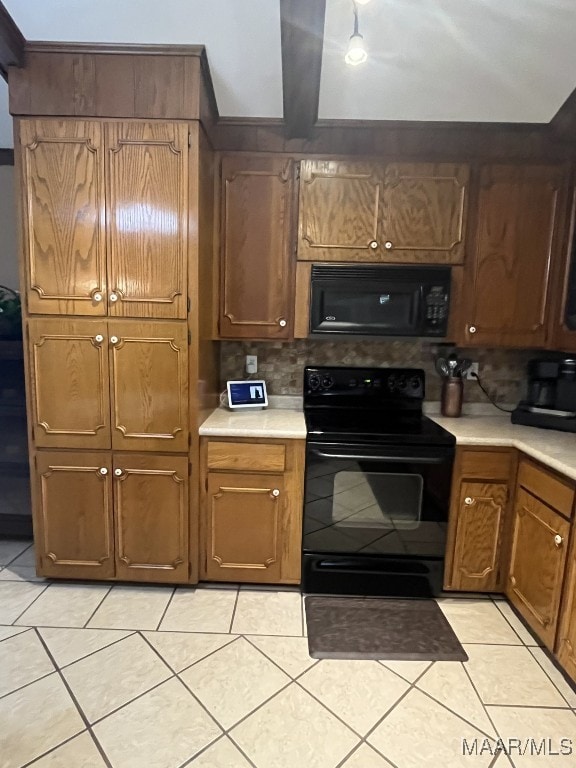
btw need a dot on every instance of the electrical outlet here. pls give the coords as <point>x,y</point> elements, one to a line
<point>251,364</point>
<point>473,369</point>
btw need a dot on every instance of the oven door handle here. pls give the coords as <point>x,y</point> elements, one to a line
<point>382,457</point>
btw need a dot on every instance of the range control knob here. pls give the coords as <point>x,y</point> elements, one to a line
<point>401,383</point>
<point>352,383</point>
<point>327,382</point>
<point>415,382</point>
<point>314,381</point>
<point>391,383</point>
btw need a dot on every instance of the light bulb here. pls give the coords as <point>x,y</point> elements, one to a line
<point>356,53</point>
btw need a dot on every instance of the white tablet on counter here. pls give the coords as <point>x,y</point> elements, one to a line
<point>247,394</point>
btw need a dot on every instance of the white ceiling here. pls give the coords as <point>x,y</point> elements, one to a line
<point>470,60</point>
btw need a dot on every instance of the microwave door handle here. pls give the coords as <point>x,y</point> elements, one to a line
<point>381,457</point>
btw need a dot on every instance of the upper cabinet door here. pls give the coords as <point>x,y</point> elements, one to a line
<point>424,216</point>
<point>256,269</point>
<point>63,215</point>
<point>69,382</point>
<point>340,210</point>
<point>147,219</point>
<point>517,235</point>
<point>149,370</point>
<point>563,318</point>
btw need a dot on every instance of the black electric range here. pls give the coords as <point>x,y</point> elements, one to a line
<point>377,484</point>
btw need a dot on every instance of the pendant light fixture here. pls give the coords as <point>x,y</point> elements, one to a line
<point>356,52</point>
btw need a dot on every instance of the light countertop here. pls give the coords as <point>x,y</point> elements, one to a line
<point>553,448</point>
<point>270,422</point>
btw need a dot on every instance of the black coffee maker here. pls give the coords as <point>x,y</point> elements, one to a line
<point>551,398</point>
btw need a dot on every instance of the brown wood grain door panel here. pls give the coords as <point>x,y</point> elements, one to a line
<point>244,526</point>
<point>424,212</point>
<point>340,211</point>
<point>537,564</point>
<point>566,645</point>
<point>481,513</point>
<point>149,385</point>
<point>147,218</point>
<point>63,216</point>
<point>74,516</point>
<point>257,292</point>
<point>152,517</point>
<point>69,383</point>
<point>508,289</point>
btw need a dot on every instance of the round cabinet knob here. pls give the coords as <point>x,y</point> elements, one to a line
<point>282,322</point>
<point>275,492</point>
<point>118,472</point>
<point>113,297</point>
<point>472,329</point>
<point>103,470</point>
<point>98,338</point>
<point>97,296</point>
<point>558,540</point>
<point>113,339</point>
<point>373,245</point>
<point>468,501</point>
<point>388,245</point>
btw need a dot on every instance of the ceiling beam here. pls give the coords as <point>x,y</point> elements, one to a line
<point>12,43</point>
<point>302,33</point>
<point>563,124</point>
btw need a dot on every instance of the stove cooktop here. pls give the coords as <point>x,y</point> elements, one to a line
<point>370,405</point>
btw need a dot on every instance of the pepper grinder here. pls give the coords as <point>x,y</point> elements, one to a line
<point>451,401</point>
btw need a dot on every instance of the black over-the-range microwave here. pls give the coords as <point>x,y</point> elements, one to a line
<point>379,300</point>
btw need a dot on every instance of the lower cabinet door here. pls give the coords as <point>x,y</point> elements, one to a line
<point>152,513</point>
<point>566,646</point>
<point>244,527</point>
<point>479,525</point>
<point>73,515</point>
<point>537,564</point>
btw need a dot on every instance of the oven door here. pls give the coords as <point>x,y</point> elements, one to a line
<point>376,515</point>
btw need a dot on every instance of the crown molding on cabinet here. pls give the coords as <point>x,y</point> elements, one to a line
<point>12,43</point>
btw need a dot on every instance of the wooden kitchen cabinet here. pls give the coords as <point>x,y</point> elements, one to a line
<point>402,212</point>
<point>518,233</point>
<point>251,516</point>
<point>256,267</point>
<point>479,520</point>
<point>109,383</point>
<point>74,533</point>
<point>105,208</point>
<point>151,517</point>
<point>566,642</point>
<point>562,325</point>
<point>541,530</point>
<point>104,516</point>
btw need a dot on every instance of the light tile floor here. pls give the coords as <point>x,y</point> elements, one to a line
<point>99,676</point>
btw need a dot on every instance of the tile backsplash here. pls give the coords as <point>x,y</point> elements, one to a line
<point>281,364</point>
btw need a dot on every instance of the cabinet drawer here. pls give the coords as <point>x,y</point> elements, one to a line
<point>264,457</point>
<point>487,465</point>
<point>548,487</point>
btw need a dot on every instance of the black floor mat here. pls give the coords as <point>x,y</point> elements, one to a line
<point>379,628</point>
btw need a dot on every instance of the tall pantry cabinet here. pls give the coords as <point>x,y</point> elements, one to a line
<point>111,263</point>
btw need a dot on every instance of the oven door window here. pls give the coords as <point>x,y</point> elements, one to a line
<point>378,500</point>
<point>374,507</point>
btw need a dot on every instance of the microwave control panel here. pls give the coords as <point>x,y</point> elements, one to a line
<point>436,311</point>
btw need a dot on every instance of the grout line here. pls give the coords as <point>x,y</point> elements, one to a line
<point>19,626</point>
<point>507,619</point>
<point>89,619</point>
<point>223,737</point>
<point>75,701</point>
<point>30,605</point>
<point>92,653</point>
<point>166,609</point>
<point>234,610</point>
<point>550,658</point>
<point>484,707</point>
<point>233,639</point>
<point>53,749</point>
<point>131,701</point>
<point>11,562</point>
<point>268,658</point>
